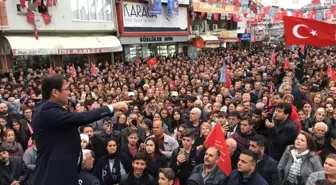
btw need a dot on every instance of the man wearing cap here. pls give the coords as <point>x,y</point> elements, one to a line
<point>13,171</point>
<point>174,98</point>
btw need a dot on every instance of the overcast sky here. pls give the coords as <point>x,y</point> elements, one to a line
<point>288,3</point>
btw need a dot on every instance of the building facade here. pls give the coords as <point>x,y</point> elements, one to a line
<point>143,34</point>
<point>67,31</point>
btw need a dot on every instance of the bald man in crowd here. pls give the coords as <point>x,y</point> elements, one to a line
<point>234,153</point>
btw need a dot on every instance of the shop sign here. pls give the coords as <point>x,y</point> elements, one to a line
<point>181,2</point>
<point>245,36</point>
<point>212,42</point>
<point>199,6</point>
<point>79,51</point>
<point>230,40</point>
<point>136,18</point>
<point>156,39</point>
<point>17,52</point>
<point>228,34</point>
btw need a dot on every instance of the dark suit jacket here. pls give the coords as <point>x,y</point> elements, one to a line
<point>58,142</point>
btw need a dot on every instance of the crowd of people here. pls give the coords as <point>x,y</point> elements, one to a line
<point>278,119</point>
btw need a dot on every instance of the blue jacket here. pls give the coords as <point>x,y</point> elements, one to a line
<point>58,142</point>
<point>236,179</point>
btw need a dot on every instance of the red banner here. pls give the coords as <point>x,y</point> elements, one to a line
<point>36,33</point>
<point>261,16</point>
<point>327,14</point>
<point>23,3</point>
<point>38,2</point>
<point>49,3</point>
<point>30,16</point>
<point>46,18</point>
<point>309,32</point>
<point>216,139</point>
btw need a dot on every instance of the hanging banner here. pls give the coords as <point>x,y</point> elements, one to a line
<point>273,11</point>
<point>154,7</point>
<point>173,7</point>
<point>319,15</point>
<point>327,14</point>
<point>216,16</point>
<point>49,3</point>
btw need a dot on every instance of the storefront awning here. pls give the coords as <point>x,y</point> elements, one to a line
<point>210,41</point>
<point>63,45</point>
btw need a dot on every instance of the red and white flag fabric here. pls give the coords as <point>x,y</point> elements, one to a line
<point>331,73</point>
<point>286,64</point>
<point>152,61</point>
<point>73,71</point>
<point>51,70</point>
<point>93,70</point>
<point>38,2</point>
<point>273,58</point>
<point>216,139</point>
<point>316,1</point>
<point>23,3</point>
<point>137,63</point>
<point>295,1</point>
<point>309,32</point>
<point>46,18</point>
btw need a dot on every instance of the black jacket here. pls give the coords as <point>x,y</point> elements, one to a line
<point>235,158</point>
<point>102,169</point>
<point>280,136</point>
<point>268,169</point>
<point>58,142</point>
<point>130,179</point>
<point>237,179</point>
<point>184,170</point>
<point>153,166</point>
<point>16,170</point>
<point>86,178</point>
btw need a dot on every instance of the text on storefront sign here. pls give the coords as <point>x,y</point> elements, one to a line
<point>156,39</point>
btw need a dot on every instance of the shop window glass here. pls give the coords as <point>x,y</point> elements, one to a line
<point>92,5</point>
<point>92,10</point>
<point>108,10</point>
<point>39,61</point>
<point>135,52</point>
<point>84,10</point>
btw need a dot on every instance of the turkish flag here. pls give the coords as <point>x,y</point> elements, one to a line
<point>73,71</point>
<point>261,16</point>
<point>309,32</point>
<point>93,70</point>
<point>51,70</point>
<point>331,73</point>
<point>286,64</point>
<point>137,63</point>
<point>216,16</point>
<point>327,14</point>
<point>315,2</point>
<point>152,61</point>
<point>49,3</point>
<point>36,33</point>
<point>46,18</point>
<point>216,139</point>
<point>273,58</point>
<point>23,3</point>
<point>30,16</point>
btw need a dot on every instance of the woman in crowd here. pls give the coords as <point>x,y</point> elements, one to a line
<point>111,167</point>
<point>156,159</point>
<point>29,158</point>
<point>299,161</point>
<point>14,148</point>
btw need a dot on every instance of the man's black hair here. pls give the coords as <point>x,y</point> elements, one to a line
<point>286,107</point>
<point>140,156</point>
<point>251,154</point>
<point>49,83</point>
<point>260,140</point>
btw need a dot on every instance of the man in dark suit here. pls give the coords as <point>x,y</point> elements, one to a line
<point>55,130</point>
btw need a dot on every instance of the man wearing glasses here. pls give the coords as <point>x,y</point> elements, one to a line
<point>56,133</point>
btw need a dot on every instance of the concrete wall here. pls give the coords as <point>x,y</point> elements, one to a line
<point>62,18</point>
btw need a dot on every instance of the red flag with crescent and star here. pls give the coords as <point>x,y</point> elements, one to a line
<point>216,139</point>
<point>309,32</point>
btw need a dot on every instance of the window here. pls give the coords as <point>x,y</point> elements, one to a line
<point>92,10</point>
<point>32,5</point>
